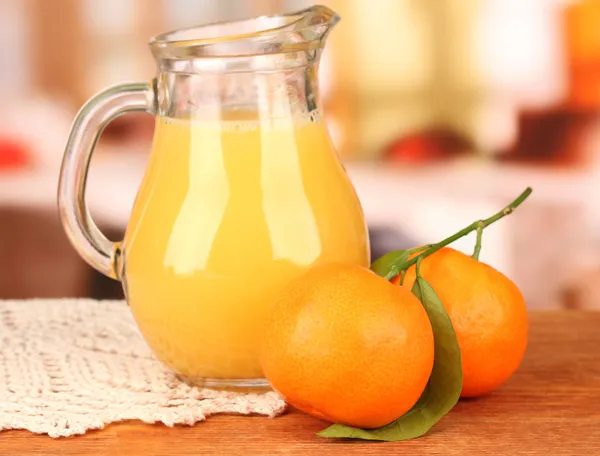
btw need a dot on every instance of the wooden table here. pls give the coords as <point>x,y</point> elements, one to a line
<point>550,407</point>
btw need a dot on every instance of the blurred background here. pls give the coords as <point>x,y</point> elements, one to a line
<point>443,111</point>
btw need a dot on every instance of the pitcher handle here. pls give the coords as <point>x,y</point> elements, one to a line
<point>99,111</point>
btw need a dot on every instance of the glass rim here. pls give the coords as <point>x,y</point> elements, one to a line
<point>291,33</point>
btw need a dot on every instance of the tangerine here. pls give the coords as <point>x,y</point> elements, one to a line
<point>488,313</point>
<point>343,344</point>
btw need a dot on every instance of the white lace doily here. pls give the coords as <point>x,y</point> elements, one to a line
<point>71,365</point>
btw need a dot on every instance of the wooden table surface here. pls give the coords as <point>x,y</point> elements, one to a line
<point>550,407</point>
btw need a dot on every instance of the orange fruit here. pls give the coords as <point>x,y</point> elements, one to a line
<point>488,313</point>
<point>345,345</point>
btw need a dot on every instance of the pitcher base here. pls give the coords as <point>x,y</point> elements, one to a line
<point>229,384</point>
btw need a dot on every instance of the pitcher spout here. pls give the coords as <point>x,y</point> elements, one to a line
<point>316,22</point>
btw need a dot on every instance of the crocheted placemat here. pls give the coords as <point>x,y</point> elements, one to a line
<point>71,365</point>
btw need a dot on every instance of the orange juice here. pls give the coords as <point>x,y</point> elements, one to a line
<point>227,214</point>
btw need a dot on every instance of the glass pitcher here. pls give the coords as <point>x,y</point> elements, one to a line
<point>243,191</point>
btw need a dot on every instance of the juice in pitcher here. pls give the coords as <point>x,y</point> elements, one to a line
<point>228,214</point>
<point>243,191</point>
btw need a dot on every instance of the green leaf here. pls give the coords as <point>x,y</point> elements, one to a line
<point>442,391</point>
<point>388,265</point>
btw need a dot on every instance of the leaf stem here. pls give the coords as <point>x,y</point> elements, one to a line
<point>418,267</point>
<point>402,276</point>
<point>478,242</point>
<point>478,225</point>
